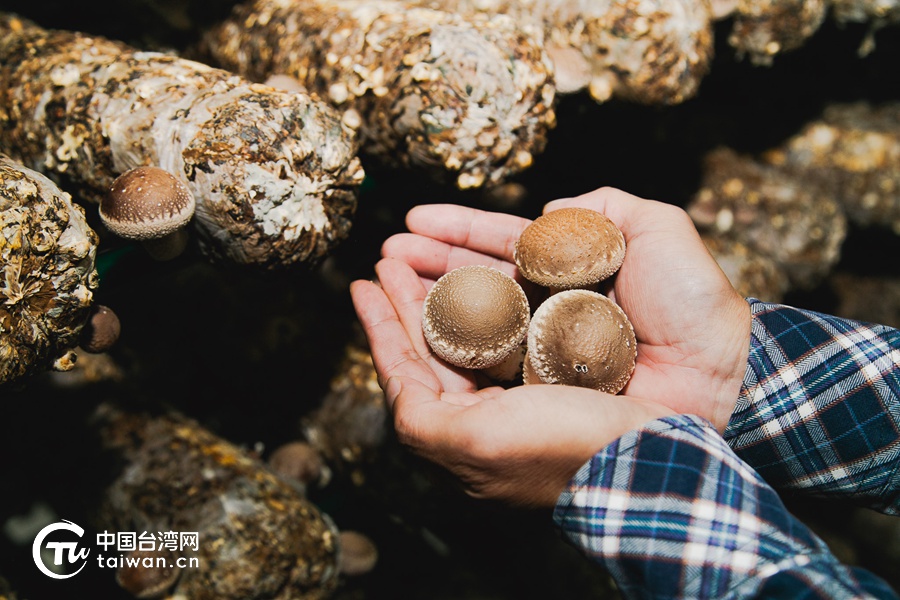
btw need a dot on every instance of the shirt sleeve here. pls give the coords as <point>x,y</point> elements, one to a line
<point>819,409</point>
<point>671,512</point>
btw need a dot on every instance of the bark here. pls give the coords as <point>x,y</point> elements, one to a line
<point>468,98</point>
<point>274,174</point>
<point>47,274</point>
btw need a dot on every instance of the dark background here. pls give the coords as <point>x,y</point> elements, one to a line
<point>248,354</point>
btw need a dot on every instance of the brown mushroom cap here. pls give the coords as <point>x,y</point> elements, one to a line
<point>297,461</point>
<point>101,331</point>
<point>145,581</point>
<point>570,248</point>
<point>475,316</point>
<point>582,338</point>
<point>358,555</point>
<point>146,203</point>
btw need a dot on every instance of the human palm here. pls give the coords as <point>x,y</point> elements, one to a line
<point>520,445</point>
<point>692,327</point>
<point>524,443</point>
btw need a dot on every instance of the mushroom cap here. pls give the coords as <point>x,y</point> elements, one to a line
<point>358,555</point>
<point>570,248</point>
<point>297,461</point>
<point>101,331</point>
<point>148,582</point>
<point>475,316</point>
<point>146,203</point>
<point>581,338</point>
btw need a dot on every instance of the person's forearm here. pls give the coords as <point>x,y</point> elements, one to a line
<point>671,512</point>
<point>819,408</point>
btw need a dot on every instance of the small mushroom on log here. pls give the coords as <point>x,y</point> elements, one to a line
<point>151,205</point>
<point>101,331</point>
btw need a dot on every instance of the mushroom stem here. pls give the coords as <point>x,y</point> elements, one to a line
<point>510,367</point>
<point>169,246</point>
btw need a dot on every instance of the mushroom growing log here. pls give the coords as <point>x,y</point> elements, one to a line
<point>647,51</point>
<point>47,273</point>
<point>763,28</point>
<point>274,174</point>
<point>471,98</point>
<point>853,150</point>
<point>879,12</point>
<point>774,213</point>
<point>257,536</point>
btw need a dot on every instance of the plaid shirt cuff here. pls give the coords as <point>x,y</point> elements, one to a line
<point>819,409</point>
<point>671,512</point>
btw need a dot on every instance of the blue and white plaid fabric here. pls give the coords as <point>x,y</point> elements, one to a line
<point>672,512</point>
<point>820,406</point>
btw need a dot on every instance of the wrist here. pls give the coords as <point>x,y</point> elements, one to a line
<point>732,367</point>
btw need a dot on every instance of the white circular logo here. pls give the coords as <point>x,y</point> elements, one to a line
<point>72,557</point>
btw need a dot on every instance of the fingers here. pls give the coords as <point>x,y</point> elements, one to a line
<point>392,351</point>
<point>392,318</point>
<point>407,294</point>
<point>432,258</point>
<point>631,214</point>
<point>489,233</point>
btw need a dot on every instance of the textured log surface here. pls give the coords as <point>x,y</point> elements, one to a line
<point>274,174</point>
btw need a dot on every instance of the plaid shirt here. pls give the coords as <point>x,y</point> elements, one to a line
<point>673,512</point>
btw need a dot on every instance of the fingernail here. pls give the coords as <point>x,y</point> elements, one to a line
<point>392,388</point>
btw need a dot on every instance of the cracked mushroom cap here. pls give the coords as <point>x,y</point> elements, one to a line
<point>570,248</point>
<point>146,203</point>
<point>581,338</point>
<point>474,317</point>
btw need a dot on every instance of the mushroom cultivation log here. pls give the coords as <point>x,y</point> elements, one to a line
<point>772,212</point>
<point>470,98</point>
<point>350,426</point>
<point>648,51</point>
<point>879,12</point>
<point>47,253</point>
<point>274,173</point>
<point>257,537</point>
<point>853,151</point>
<point>763,28</point>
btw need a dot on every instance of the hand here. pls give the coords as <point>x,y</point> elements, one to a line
<point>520,445</point>
<point>692,328</point>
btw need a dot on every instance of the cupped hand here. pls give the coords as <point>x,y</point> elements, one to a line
<point>692,327</point>
<point>520,445</point>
